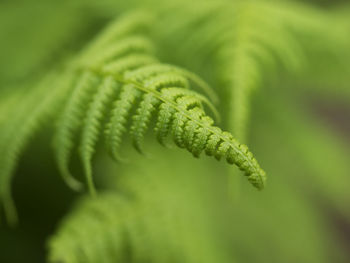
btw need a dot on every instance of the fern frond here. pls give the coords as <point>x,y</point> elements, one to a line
<point>71,121</point>
<point>110,219</point>
<point>130,23</point>
<point>94,121</point>
<point>121,112</point>
<point>146,88</point>
<point>139,226</point>
<point>246,44</point>
<point>44,102</point>
<point>116,81</point>
<point>142,118</point>
<point>182,111</point>
<point>245,49</point>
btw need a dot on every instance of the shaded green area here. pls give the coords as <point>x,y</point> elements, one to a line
<point>184,209</point>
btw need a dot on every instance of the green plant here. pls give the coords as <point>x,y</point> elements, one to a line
<point>120,72</point>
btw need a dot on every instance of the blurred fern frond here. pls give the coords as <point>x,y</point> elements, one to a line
<point>151,212</point>
<point>244,45</point>
<point>27,110</point>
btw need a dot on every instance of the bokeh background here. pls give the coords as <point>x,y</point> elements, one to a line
<point>299,132</point>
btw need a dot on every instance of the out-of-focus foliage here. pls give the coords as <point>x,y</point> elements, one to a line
<point>138,219</point>
<point>267,62</point>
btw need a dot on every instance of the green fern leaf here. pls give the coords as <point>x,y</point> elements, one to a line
<point>71,122</point>
<point>142,118</point>
<point>121,111</point>
<point>93,124</point>
<point>116,81</point>
<point>150,89</point>
<point>247,44</point>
